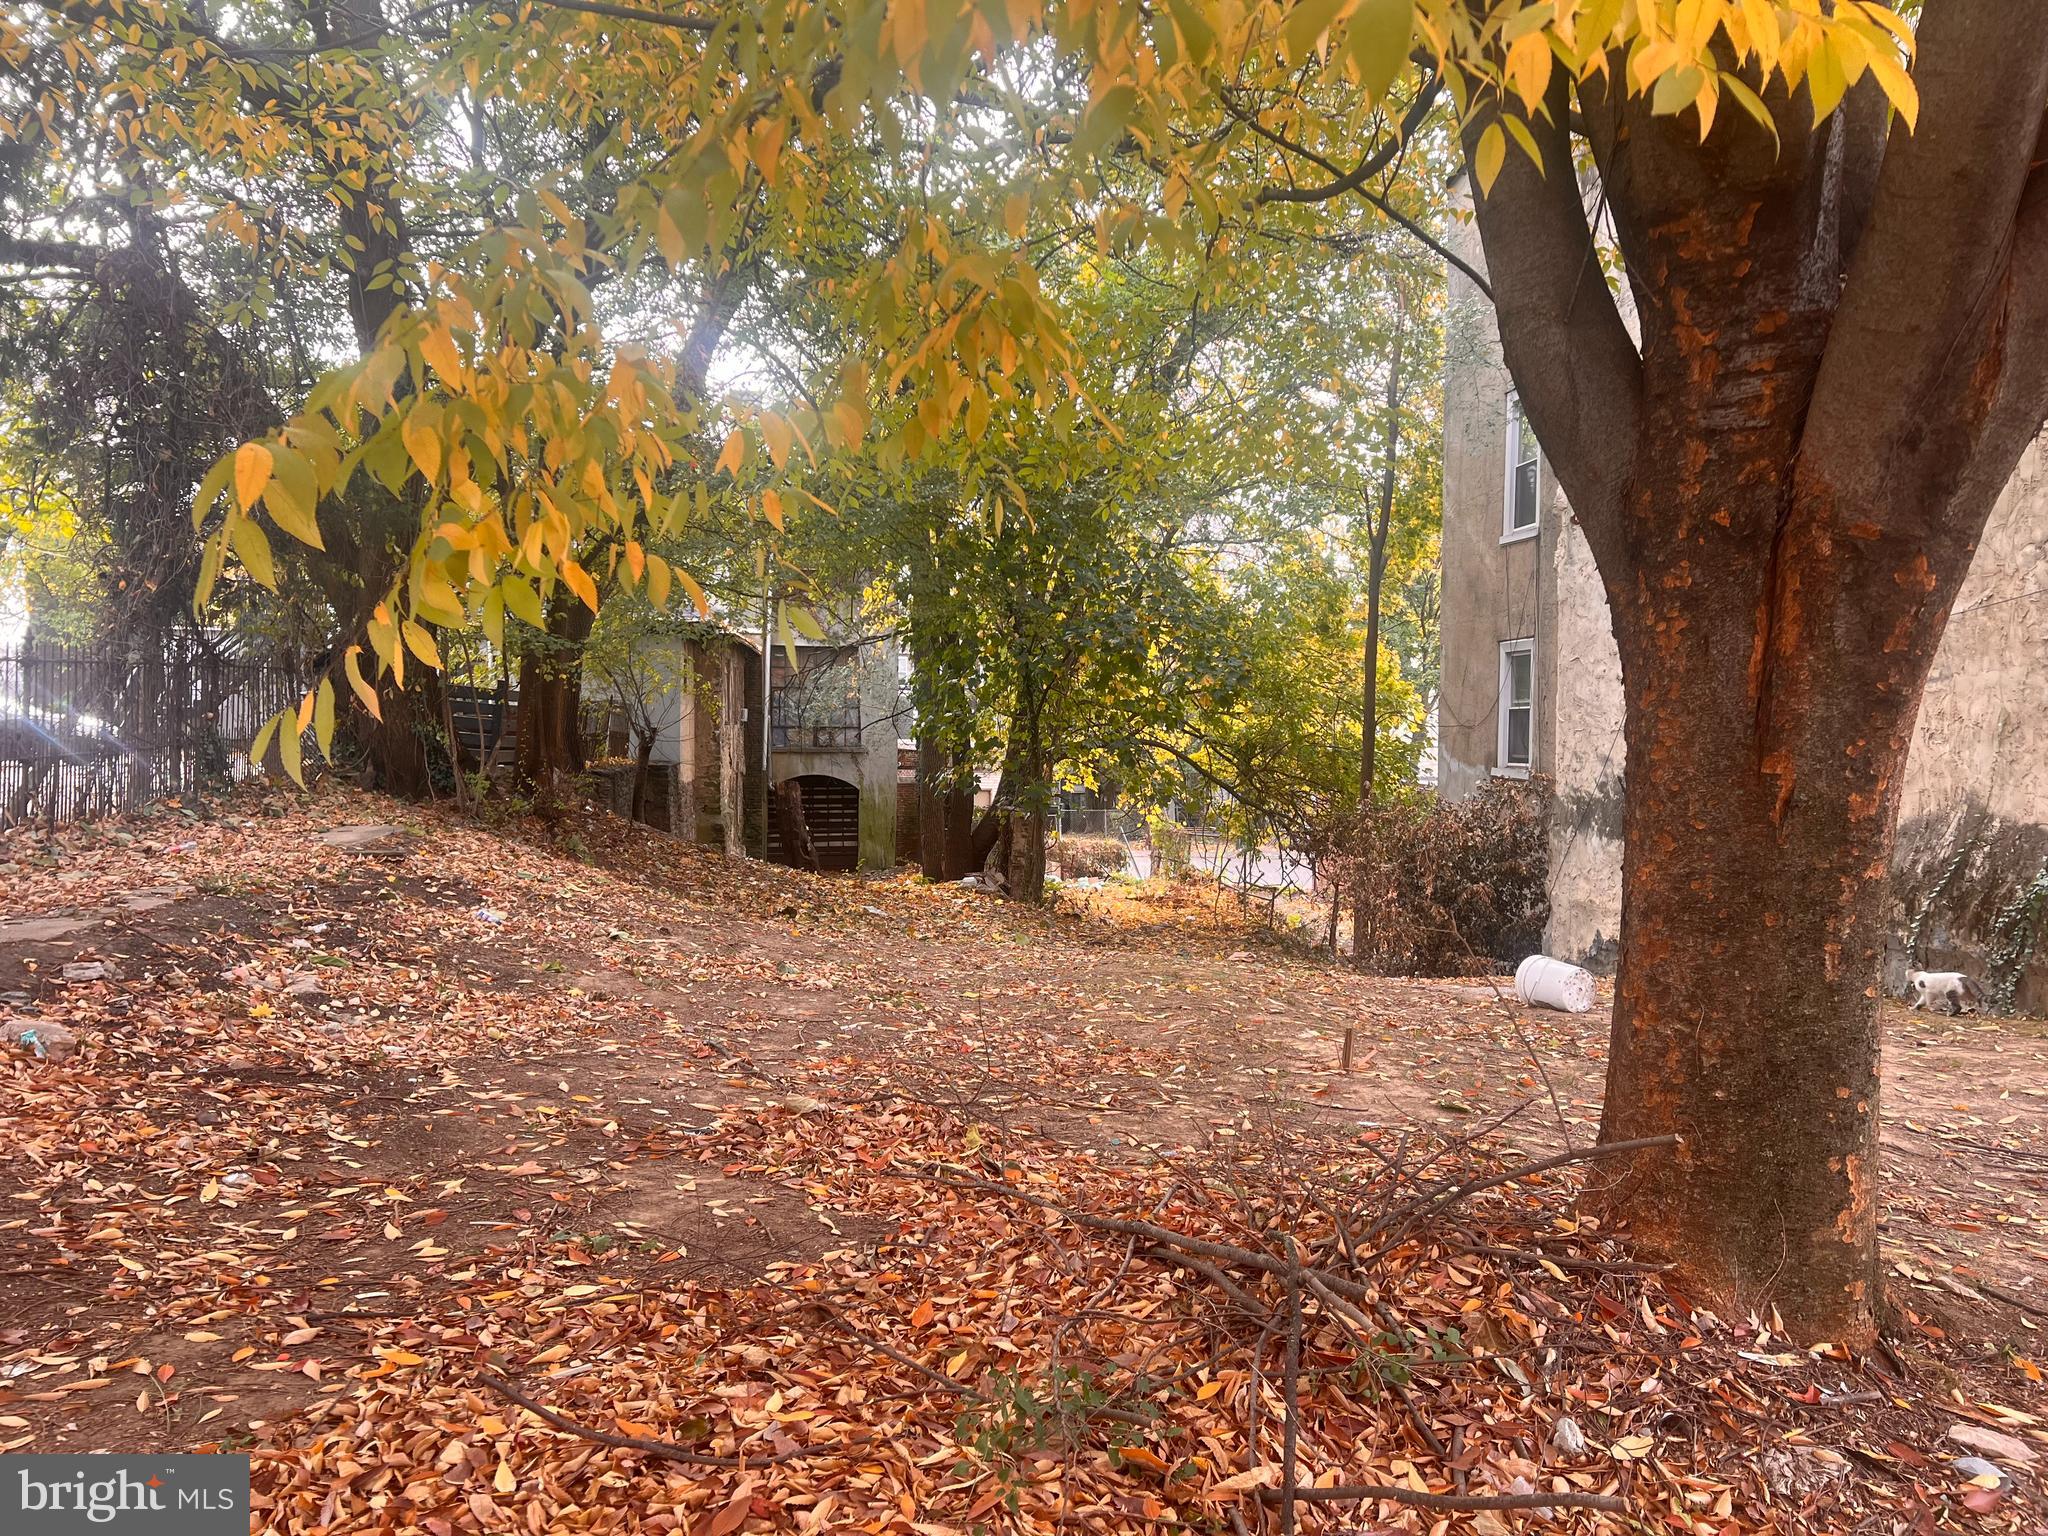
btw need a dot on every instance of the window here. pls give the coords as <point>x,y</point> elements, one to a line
<point>1519,509</point>
<point>1517,707</point>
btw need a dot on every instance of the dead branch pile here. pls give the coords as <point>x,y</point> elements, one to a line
<point>1443,887</point>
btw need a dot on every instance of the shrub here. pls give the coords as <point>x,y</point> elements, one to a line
<point>1089,857</point>
<point>1173,849</point>
<point>1446,887</point>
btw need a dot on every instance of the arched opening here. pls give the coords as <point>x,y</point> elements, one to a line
<point>816,824</point>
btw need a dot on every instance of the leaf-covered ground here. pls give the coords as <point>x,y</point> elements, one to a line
<point>845,1198</point>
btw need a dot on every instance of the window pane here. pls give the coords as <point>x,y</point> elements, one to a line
<point>1521,679</point>
<point>1518,736</point>
<point>1524,514</point>
<point>1525,438</point>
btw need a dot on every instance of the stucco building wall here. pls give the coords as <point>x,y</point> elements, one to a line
<point>1493,590</point>
<point>1585,699</point>
<point>1971,869</point>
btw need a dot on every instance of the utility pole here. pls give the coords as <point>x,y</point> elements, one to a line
<point>767,703</point>
<point>1376,557</point>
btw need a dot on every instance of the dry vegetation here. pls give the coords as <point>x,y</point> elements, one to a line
<point>473,1186</point>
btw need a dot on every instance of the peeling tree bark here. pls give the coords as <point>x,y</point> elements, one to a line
<point>1783,490</point>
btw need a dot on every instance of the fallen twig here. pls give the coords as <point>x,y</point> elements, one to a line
<point>1984,1290</point>
<point>667,1449</point>
<point>1223,1252</point>
<point>1208,1272</point>
<point>1457,1192</point>
<point>1290,1395</point>
<point>1345,1493</point>
<point>1562,1261</point>
<point>868,1340</point>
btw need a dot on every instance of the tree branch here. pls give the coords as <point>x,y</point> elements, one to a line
<point>1342,181</point>
<point>1561,333</point>
<point>668,1450</point>
<point>27,251</point>
<point>1354,180</point>
<point>701,25</point>
<point>1915,377</point>
<point>1430,242</point>
<point>1358,1492</point>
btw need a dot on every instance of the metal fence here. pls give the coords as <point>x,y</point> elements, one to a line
<point>1099,821</point>
<point>90,731</point>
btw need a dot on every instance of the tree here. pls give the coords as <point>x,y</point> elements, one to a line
<point>643,655</point>
<point>1783,486</point>
<point>200,219</point>
<point>1093,596</point>
<point>1380,525</point>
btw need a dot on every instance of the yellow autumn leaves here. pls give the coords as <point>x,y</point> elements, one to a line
<point>1687,55</point>
<point>537,454</point>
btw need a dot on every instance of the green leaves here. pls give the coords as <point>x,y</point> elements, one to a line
<point>252,548</point>
<point>948,257</point>
<point>523,602</point>
<point>1308,20</point>
<point>805,622</point>
<point>1380,35</point>
<point>292,494</point>
<point>1106,118</point>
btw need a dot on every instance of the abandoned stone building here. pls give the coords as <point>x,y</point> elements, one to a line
<point>822,792</point>
<point>800,762</point>
<point>1532,689</point>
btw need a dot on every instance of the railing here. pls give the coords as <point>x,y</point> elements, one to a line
<point>90,731</point>
<point>799,720</point>
<point>486,721</point>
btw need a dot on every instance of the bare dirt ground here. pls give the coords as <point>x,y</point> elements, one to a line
<point>376,1108</point>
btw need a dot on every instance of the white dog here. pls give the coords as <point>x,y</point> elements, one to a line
<point>1951,987</point>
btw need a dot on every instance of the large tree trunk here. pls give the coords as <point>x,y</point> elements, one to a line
<point>964,848</point>
<point>1756,855</point>
<point>931,808</point>
<point>797,844</point>
<point>690,733</point>
<point>643,760</point>
<point>950,845</point>
<point>1783,490</point>
<point>1021,802</point>
<point>1024,853</point>
<point>732,749</point>
<point>396,746</point>
<point>551,697</point>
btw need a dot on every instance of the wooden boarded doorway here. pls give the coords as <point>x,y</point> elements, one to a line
<point>829,812</point>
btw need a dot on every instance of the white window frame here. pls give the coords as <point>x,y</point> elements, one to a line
<point>1516,421</point>
<point>1504,769</point>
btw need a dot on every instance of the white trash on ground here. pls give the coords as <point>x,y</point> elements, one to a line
<point>1568,1438</point>
<point>1974,1467</point>
<point>40,1038</point>
<point>1546,983</point>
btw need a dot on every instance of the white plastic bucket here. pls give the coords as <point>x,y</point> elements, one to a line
<point>1546,983</point>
